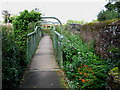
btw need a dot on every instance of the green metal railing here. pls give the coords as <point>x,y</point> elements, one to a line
<point>33,40</point>
<point>57,44</point>
<point>57,41</point>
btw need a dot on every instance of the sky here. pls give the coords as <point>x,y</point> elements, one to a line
<point>62,9</point>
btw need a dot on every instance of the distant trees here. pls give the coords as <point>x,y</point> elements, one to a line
<point>115,6</point>
<point>112,12</point>
<point>94,21</point>
<point>107,15</point>
<point>75,22</point>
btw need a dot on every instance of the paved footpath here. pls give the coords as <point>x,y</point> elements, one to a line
<point>43,69</point>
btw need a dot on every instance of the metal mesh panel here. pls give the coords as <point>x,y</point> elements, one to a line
<point>33,40</point>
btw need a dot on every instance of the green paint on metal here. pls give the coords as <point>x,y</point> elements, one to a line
<point>55,19</point>
<point>57,44</point>
<point>57,41</point>
<point>34,37</point>
<point>33,40</point>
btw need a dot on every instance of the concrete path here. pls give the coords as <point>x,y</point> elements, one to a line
<point>43,69</point>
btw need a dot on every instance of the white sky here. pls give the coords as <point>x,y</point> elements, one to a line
<point>62,9</point>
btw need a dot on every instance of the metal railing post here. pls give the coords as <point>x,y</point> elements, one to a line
<point>57,39</point>
<point>33,39</point>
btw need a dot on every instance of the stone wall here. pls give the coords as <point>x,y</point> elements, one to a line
<point>106,37</point>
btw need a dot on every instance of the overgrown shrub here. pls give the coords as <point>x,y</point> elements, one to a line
<point>21,29</point>
<point>83,68</point>
<point>106,44</point>
<point>106,37</point>
<point>14,48</point>
<point>11,67</point>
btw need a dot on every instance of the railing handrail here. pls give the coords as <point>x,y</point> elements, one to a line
<point>57,44</point>
<point>33,31</point>
<point>57,33</point>
<point>61,27</point>
<point>52,18</point>
<point>33,40</point>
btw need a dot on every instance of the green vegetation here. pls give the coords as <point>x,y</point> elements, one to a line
<point>107,15</point>
<point>21,25</point>
<point>12,18</point>
<point>83,68</point>
<point>14,45</point>
<point>113,50</point>
<point>11,67</point>
<point>112,12</point>
<point>93,26</point>
<point>76,22</point>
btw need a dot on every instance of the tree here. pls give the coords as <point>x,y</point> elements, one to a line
<point>112,12</point>
<point>109,6</point>
<point>107,15</point>
<point>113,0</point>
<point>117,7</point>
<point>6,15</point>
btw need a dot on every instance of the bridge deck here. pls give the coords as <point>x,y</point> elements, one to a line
<point>43,69</point>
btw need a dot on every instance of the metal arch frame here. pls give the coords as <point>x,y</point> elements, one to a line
<point>51,21</point>
<point>52,18</point>
<point>42,21</point>
<point>60,55</point>
<point>55,19</point>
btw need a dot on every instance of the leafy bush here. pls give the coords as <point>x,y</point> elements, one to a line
<point>14,47</point>
<point>11,67</point>
<point>21,29</point>
<point>103,34</point>
<point>83,68</point>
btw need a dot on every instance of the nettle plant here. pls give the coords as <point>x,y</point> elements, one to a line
<point>83,68</point>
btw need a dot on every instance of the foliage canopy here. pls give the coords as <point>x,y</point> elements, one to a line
<point>112,12</point>
<point>14,47</point>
